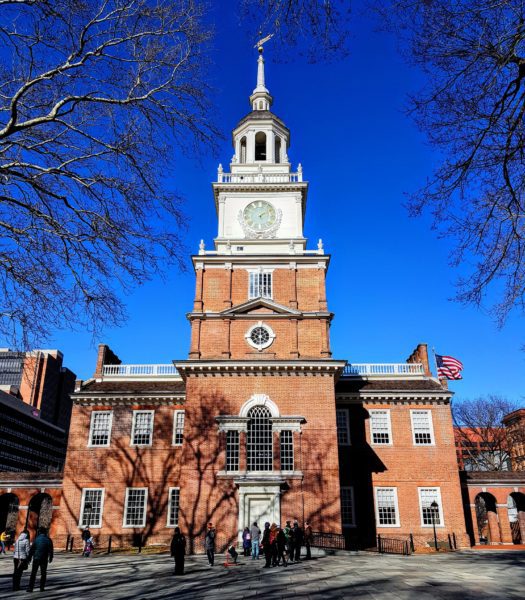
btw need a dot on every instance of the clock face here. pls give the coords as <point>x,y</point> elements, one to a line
<point>259,215</point>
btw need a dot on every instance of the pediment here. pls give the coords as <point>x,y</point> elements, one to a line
<point>259,306</point>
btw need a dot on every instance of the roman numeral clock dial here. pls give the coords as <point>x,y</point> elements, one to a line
<point>259,215</point>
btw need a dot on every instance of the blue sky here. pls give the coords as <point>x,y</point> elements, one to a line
<point>389,282</point>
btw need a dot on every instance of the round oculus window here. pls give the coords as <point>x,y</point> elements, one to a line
<point>260,336</point>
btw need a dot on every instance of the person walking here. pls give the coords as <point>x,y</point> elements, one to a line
<point>246,541</point>
<point>209,544</point>
<point>298,539</point>
<point>308,539</point>
<point>273,543</point>
<point>178,550</point>
<point>255,534</point>
<point>86,534</point>
<point>42,553</point>
<point>288,532</point>
<point>266,546</point>
<point>281,547</point>
<point>20,558</point>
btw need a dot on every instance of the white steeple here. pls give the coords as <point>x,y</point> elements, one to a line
<point>260,99</point>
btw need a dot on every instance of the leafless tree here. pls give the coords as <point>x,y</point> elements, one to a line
<point>93,97</point>
<point>472,53</point>
<point>317,29</point>
<point>480,432</point>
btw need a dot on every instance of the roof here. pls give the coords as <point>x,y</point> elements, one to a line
<point>478,477</point>
<point>260,115</point>
<point>30,477</point>
<point>355,385</point>
<point>126,386</point>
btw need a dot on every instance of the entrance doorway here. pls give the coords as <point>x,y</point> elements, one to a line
<point>258,503</point>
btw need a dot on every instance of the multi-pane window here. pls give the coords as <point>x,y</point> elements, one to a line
<point>178,427</point>
<point>100,430</point>
<point>286,450</point>
<point>380,431</point>
<point>173,507</point>
<point>91,508</point>
<point>142,430</point>
<point>343,429</point>
<point>259,448</point>
<point>260,285</point>
<point>422,427</point>
<point>347,506</point>
<point>135,507</point>
<point>430,514</point>
<point>232,450</point>
<point>386,507</point>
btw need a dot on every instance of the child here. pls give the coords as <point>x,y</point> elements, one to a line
<point>89,547</point>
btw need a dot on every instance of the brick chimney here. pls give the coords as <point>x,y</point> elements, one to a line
<point>420,355</point>
<point>105,357</point>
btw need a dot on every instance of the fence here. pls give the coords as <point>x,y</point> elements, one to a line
<point>394,546</point>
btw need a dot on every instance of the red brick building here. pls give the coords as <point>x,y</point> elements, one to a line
<point>261,422</point>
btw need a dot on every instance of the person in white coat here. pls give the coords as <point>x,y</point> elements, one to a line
<point>20,558</point>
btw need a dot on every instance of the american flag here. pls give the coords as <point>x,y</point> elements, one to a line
<point>448,367</point>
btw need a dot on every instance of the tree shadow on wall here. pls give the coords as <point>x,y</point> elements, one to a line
<point>192,467</point>
<point>207,497</point>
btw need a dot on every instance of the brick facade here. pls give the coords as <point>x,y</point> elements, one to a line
<point>260,378</point>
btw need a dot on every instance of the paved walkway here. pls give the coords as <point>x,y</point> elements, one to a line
<point>464,575</point>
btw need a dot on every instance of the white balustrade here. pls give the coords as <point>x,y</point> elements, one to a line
<point>139,370</point>
<point>259,177</point>
<point>385,369</point>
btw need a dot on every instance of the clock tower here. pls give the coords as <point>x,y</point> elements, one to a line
<point>260,378</point>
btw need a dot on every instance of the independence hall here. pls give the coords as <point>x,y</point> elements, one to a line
<point>261,422</point>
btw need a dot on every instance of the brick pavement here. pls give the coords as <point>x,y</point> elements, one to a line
<point>464,575</point>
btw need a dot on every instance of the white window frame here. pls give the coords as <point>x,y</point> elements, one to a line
<point>143,524</point>
<point>346,412</point>
<point>389,423</point>
<point>431,426</point>
<point>396,505</point>
<point>81,522</point>
<point>252,272</point>
<point>168,524</point>
<point>135,412</point>
<point>176,429</point>
<point>352,496</point>
<point>90,438</point>
<point>292,448</point>
<point>437,491</point>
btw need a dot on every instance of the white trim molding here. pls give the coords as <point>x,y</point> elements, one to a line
<point>259,400</point>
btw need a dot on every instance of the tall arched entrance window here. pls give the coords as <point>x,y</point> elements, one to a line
<point>259,447</point>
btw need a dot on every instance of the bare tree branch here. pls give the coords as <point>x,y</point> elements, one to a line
<point>317,29</point>
<point>480,434</point>
<point>94,96</point>
<point>473,55</point>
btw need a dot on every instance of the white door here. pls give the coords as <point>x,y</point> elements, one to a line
<point>260,510</point>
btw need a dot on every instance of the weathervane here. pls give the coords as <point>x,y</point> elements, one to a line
<point>262,41</point>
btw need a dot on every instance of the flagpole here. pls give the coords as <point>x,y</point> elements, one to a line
<point>435,362</point>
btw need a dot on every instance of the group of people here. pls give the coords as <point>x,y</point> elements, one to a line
<point>282,545</point>
<point>39,553</point>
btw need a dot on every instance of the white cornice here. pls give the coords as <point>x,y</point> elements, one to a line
<point>270,367</point>
<point>128,398</point>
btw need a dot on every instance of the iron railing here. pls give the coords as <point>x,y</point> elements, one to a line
<point>393,546</point>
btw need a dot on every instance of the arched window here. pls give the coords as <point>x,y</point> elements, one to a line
<point>260,146</point>
<point>259,447</point>
<point>277,149</point>
<point>243,150</point>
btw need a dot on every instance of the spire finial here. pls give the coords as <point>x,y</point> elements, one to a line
<point>263,96</point>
